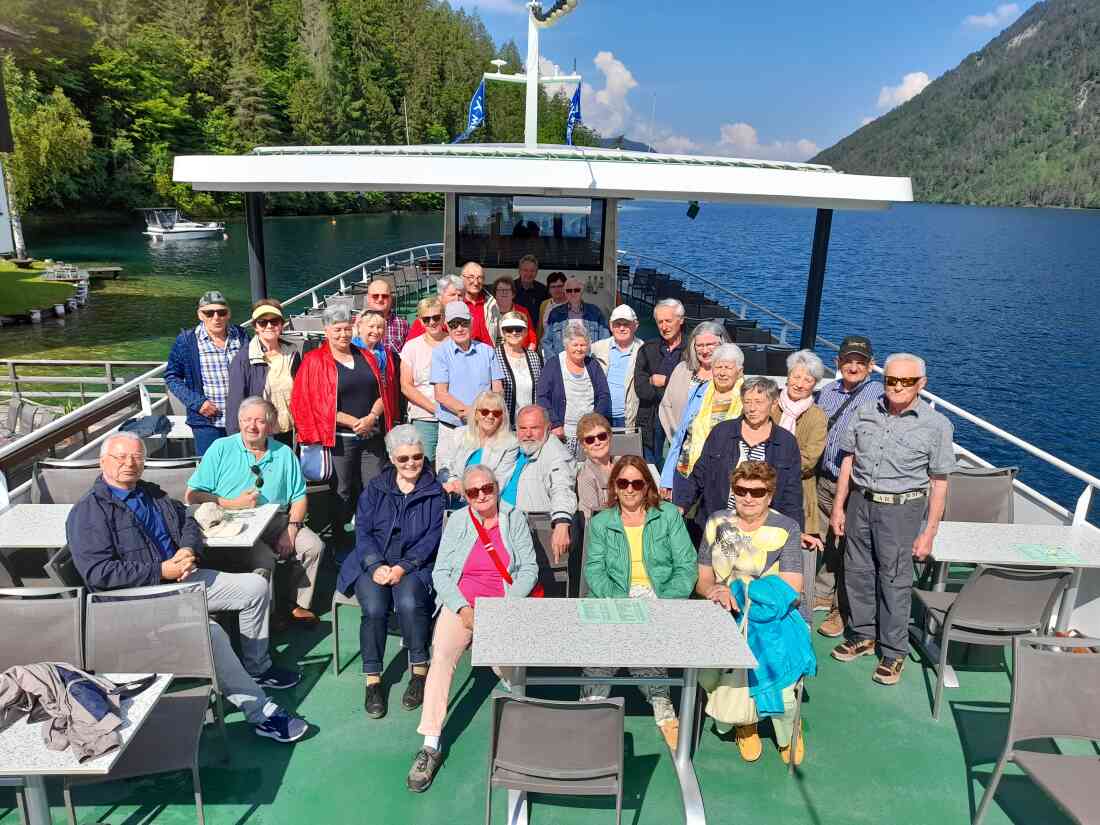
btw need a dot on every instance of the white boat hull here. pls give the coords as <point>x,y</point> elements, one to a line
<point>185,233</point>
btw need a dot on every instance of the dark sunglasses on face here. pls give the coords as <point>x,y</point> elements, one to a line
<point>600,437</point>
<point>754,492</point>
<point>457,322</point>
<point>210,313</point>
<point>636,484</point>
<point>893,380</point>
<point>485,412</point>
<point>405,459</point>
<point>514,330</point>
<point>255,468</point>
<point>483,490</point>
<point>431,319</point>
<point>263,323</point>
<point>573,291</point>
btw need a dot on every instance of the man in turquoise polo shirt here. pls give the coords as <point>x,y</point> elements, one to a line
<point>249,469</point>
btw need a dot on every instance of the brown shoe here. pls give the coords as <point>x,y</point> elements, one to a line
<point>670,730</point>
<point>846,651</point>
<point>833,625</point>
<point>823,604</point>
<point>748,742</point>
<point>799,752</point>
<point>888,671</point>
<point>303,616</point>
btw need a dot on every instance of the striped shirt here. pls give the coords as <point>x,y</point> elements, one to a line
<point>755,452</point>
<point>830,399</point>
<point>214,365</point>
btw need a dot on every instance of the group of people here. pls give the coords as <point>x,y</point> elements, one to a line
<point>508,401</point>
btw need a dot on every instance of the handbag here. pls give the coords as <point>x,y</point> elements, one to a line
<point>729,700</point>
<point>316,461</point>
<point>537,592</point>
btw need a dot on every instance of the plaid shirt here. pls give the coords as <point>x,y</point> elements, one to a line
<point>214,364</point>
<point>397,330</point>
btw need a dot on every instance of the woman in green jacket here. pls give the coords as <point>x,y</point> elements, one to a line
<point>639,548</point>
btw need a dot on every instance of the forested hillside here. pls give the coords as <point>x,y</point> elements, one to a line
<point>104,93</point>
<point>1017,123</point>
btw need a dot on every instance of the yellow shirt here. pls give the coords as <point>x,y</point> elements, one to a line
<point>638,574</point>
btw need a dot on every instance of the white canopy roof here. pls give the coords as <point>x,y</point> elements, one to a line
<point>554,171</point>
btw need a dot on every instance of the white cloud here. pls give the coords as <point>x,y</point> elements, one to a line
<point>675,145</point>
<point>867,120</point>
<point>607,110</point>
<point>911,85</point>
<point>547,68</point>
<point>996,19</point>
<point>498,6</point>
<point>742,139</point>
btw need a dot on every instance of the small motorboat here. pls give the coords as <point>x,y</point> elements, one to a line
<point>168,222</point>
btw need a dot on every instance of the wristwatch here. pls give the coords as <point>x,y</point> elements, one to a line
<point>298,524</point>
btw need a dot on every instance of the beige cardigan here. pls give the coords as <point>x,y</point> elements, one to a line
<point>809,431</point>
<point>675,399</point>
<point>601,351</point>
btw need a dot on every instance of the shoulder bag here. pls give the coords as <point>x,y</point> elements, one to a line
<point>537,592</point>
<point>729,701</point>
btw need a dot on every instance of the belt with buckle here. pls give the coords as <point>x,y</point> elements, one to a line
<point>893,498</point>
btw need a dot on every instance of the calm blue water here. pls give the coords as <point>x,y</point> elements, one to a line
<point>1003,303</point>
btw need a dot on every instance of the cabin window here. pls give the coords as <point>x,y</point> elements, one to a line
<point>498,230</point>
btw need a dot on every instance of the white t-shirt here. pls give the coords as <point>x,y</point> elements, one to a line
<point>525,387</point>
<point>417,353</point>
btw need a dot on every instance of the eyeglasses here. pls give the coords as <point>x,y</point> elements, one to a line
<point>255,468</point>
<point>457,322</point>
<point>485,412</point>
<point>573,290</point>
<point>405,459</point>
<point>379,296</point>
<point>894,380</point>
<point>600,437</point>
<point>753,492</point>
<point>483,490</point>
<point>431,319</point>
<point>514,330</point>
<point>264,323</point>
<point>210,313</point>
<point>127,459</point>
<point>635,484</point>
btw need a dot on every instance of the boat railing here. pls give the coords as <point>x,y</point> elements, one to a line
<point>62,381</point>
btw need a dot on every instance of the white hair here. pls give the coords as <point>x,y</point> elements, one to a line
<point>669,303</point>
<point>728,353</point>
<point>403,435</point>
<point>705,327</point>
<point>905,356</point>
<point>534,407</point>
<point>270,413</point>
<point>121,436</point>
<point>448,280</point>
<point>575,328</point>
<point>338,314</point>
<point>481,470</point>
<point>806,359</point>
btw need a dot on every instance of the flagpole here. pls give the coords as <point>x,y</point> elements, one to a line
<point>531,120</point>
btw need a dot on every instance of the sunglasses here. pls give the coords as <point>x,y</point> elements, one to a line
<point>514,330</point>
<point>635,484</point>
<point>378,296</point>
<point>457,322</point>
<point>264,323</point>
<point>210,313</point>
<point>485,412</point>
<point>753,492</point>
<point>255,468</point>
<point>573,291</point>
<point>483,490</point>
<point>431,319</point>
<point>893,381</point>
<point>405,459</point>
<point>600,437</point>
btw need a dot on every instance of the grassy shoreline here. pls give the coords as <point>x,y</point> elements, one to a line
<point>22,290</point>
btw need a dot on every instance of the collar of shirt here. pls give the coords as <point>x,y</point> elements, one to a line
<point>917,408</point>
<point>121,493</point>
<point>206,338</point>
<point>457,350</point>
<point>665,349</point>
<point>244,448</point>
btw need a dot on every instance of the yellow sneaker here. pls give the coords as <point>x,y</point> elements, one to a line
<point>670,730</point>
<point>748,742</point>
<point>799,751</point>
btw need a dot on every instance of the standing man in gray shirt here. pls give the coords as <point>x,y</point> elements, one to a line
<point>897,455</point>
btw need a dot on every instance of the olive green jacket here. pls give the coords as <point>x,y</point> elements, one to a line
<point>667,551</point>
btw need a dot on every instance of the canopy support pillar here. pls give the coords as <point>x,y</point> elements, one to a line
<point>815,283</point>
<point>254,225</point>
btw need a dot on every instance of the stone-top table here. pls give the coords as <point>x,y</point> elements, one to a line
<point>256,521</point>
<point>34,526</point>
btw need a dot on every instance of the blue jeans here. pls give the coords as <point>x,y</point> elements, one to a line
<point>618,421</point>
<point>205,435</point>
<point>413,604</point>
<point>656,455</point>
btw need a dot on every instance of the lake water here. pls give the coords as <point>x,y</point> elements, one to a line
<point>1003,303</point>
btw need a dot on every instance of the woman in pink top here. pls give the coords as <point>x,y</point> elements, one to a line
<point>465,571</point>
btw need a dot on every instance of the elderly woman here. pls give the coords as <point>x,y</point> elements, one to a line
<point>486,551</point>
<point>708,404</point>
<point>594,474</point>
<point>573,386</point>
<point>796,412</point>
<point>639,548</point>
<point>343,400</point>
<point>416,370</point>
<point>398,526</point>
<point>521,366</point>
<point>487,439</point>
<point>750,548</point>
<point>504,290</point>
<point>690,373</point>
<point>448,288</point>
<point>264,368</point>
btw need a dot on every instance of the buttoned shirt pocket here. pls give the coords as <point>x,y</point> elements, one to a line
<point>912,451</point>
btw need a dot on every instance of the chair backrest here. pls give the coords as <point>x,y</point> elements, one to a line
<point>541,533</point>
<point>65,481</point>
<point>1055,689</point>
<point>171,475</point>
<point>1021,596</point>
<point>61,569</point>
<point>626,444</point>
<point>144,629</point>
<point>41,624</point>
<point>980,494</point>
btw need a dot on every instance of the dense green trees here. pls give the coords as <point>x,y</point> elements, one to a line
<point>131,83</point>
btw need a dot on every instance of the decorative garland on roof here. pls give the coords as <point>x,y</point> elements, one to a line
<point>558,10</point>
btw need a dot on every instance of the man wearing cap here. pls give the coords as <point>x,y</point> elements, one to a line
<point>618,355</point>
<point>198,368</point>
<point>380,299</point>
<point>484,312</point>
<point>895,459</point>
<point>461,368</point>
<point>655,362</point>
<point>529,292</point>
<point>249,469</point>
<point>575,308</point>
<point>840,401</point>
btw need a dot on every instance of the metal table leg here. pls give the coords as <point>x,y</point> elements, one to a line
<point>517,800</point>
<point>685,770</point>
<point>38,806</point>
<point>1069,602</point>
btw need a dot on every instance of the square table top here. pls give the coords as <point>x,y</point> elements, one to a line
<point>29,526</point>
<point>23,752</point>
<point>593,633</point>
<point>1039,545</point>
<point>256,521</point>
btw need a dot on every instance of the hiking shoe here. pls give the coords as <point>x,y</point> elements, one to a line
<point>888,671</point>
<point>848,650</point>
<point>282,727</point>
<point>423,770</point>
<point>748,742</point>
<point>823,604</point>
<point>833,626</point>
<point>375,701</point>
<point>799,751</point>
<point>413,696</point>
<point>277,678</point>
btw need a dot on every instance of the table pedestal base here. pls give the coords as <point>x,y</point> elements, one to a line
<point>38,805</point>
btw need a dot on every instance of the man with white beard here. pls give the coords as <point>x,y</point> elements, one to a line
<point>546,476</point>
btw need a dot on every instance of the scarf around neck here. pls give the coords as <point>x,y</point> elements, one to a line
<point>791,411</point>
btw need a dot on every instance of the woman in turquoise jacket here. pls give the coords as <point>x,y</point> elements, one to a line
<point>639,548</point>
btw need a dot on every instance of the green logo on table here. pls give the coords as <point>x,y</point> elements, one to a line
<point>1047,553</point>
<point>612,611</point>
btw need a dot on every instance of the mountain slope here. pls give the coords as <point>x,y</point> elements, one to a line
<point>1017,123</point>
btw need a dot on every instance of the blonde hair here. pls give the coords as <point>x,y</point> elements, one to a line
<point>424,304</point>
<point>494,400</point>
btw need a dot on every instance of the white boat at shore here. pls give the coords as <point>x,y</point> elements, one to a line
<point>167,222</point>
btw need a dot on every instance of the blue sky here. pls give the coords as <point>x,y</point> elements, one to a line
<point>778,80</point>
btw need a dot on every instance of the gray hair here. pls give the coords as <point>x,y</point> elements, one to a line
<point>339,314</point>
<point>575,328</point>
<point>711,327</point>
<point>449,280</point>
<point>270,413</point>
<point>481,469</point>
<point>729,353</point>
<point>121,436</point>
<point>759,383</point>
<point>806,359</point>
<point>905,356</point>
<point>669,303</point>
<point>541,411</point>
<point>403,435</point>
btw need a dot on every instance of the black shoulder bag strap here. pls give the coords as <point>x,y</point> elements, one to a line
<point>835,417</point>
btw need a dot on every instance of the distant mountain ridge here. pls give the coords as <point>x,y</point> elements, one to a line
<point>622,142</point>
<point>1015,124</point>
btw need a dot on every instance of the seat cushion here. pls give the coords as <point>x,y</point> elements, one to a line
<point>1069,780</point>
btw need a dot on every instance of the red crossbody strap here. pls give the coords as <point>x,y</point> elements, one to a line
<point>483,534</point>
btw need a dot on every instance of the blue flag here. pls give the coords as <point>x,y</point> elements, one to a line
<point>574,115</point>
<point>476,116</point>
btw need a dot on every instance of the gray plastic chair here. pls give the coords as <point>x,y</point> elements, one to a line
<point>623,443</point>
<point>61,569</point>
<point>982,494</point>
<point>559,748</point>
<point>554,577</point>
<point>995,606</point>
<point>1055,693</point>
<point>66,481</point>
<point>41,624</point>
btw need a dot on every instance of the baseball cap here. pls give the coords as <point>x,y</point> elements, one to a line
<point>858,345</point>
<point>212,519</point>
<point>622,313</point>
<point>212,297</point>
<point>456,309</point>
<point>511,319</point>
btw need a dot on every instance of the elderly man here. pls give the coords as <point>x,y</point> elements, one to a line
<point>128,533</point>
<point>555,287</point>
<point>529,292</point>
<point>198,368</point>
<point>461,368</point>
<point>618,355</point>
<point>654,364</point>
<point>380,299</point>
<point>897,455</point>
<point>484,313</point>
<point>574,309</point>
<point>545,477</point>
<point>252,468</point>
<point>449,288</point>
<point>840,401</point>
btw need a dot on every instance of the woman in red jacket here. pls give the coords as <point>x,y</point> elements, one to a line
<point>345,398</point>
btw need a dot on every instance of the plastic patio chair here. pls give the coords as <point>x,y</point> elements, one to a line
<point>66,481</point>
<point>1055,693</point>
